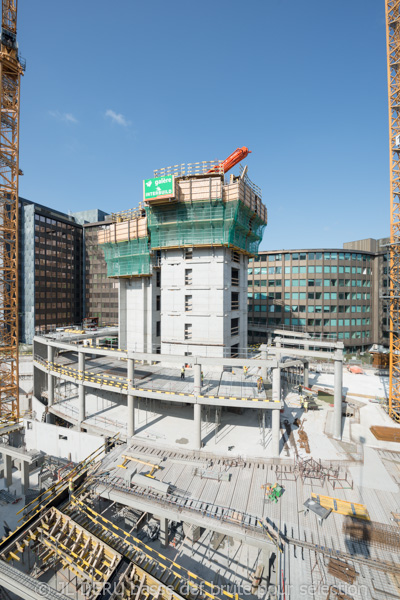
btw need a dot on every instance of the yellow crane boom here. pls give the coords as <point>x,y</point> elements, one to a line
<point>393,68</point>
<point>11,69</point>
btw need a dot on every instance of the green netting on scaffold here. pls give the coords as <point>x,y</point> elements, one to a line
<point>211,222</point>
<point>128,258</point>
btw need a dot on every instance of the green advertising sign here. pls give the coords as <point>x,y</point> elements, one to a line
<point>159,187</point>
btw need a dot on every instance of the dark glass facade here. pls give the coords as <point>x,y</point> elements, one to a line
<point>50,270</point>
<point>101,292</point>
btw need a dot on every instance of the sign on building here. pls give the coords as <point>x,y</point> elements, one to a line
<point>158,188</point>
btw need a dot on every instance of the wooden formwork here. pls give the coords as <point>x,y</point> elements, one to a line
<point>60,543</point>
<point>131,229</point>
<point>195,190</point>
<point>239,190</point>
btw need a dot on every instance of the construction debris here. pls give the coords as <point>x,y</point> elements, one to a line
<point>342,570</point>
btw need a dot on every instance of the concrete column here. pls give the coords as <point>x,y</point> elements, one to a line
<point>264,368</point>
<point>197,425</point>
<point>337,402</point>
<point>306,373</point>
<point>25,476</point>
<point>164,532</point>
<point>131,415</point>
<point>50,378</point>
<point>276,432</point>
<point>82,407</point>
<point>131,372</point>
<point>81,363</point>
<point>81,388</point>
<point>7,462</point>
<point>276,384</point>
<point>197,380</point>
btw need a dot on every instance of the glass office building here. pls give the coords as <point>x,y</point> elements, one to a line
<point>329,293</point>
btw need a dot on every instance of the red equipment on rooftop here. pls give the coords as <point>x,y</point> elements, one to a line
<point>232,160</point>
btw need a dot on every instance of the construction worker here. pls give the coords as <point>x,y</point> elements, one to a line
<point>306,405</point>
<point>245,369</point>
<point>183,373</point>
<point>259,384</point>
<point>70,488</point>
<point>202,378</point>
<point>301,401</point>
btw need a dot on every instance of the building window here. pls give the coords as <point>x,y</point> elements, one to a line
<point>158,278</point>
<point>188,252</point>
<point>234,301</point>
<point>158,328</point>
<point>236,257</point>
<point>188,276</point>
<point>188,331</point>
<point>188,303</point>
<point>158,303</point>
<point>234,327</point>
<point>235,277</point>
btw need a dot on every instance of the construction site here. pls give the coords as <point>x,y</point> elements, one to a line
<point>166,458</point>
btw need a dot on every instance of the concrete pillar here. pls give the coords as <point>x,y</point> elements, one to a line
<point>81,363</point>
<point>164,532</point>
<point>131,415</point>
<point>131,372</point>
<point>25,476</point>
<point>276,431</point>
<point>276,384</point>
<point>82,407</point>
<point>197,426</point>
<point>50,378</point>
<point>264,368</point>
<point>306,373</point>
<point>337,402</point>
<point>197,380</point>
<point>81,387</point>
<point>7,462</point>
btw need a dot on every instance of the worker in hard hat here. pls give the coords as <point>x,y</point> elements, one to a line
<point>306,405</point>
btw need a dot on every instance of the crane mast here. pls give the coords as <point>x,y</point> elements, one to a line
<point>11,69</point>
<point>393,67</point>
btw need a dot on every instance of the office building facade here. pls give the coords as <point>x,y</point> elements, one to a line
<point>50,269</point>
<point>333,293</point>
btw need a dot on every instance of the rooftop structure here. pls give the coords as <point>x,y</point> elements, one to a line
<point>181,260</point>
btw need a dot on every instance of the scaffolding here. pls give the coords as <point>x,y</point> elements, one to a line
<point>205,223</point>
<point>129,258</point>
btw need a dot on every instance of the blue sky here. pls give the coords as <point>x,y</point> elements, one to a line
<point>116,89</point>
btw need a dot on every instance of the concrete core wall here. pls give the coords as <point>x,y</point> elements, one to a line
<point>59,441</point>
<point>196,301</point>
<point>137,314</point>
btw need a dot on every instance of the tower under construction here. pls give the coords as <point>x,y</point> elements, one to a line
<point>182,259</point>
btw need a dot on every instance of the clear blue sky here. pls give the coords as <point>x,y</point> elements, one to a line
<point>116,89</point>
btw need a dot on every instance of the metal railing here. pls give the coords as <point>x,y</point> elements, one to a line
<point>198,168</point>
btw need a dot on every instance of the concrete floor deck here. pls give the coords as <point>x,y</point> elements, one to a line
<point>306,572</point>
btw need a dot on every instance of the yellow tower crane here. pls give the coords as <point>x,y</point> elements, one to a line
<point>11,69</point>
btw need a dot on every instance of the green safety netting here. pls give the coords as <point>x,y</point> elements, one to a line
<point>205,223</point>
<point>127,258</point>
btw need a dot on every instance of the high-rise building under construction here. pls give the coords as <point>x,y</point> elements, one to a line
<point>181,259</point>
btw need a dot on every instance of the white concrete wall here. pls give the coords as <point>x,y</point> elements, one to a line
<point>210,289</point>
<point>50,439</point>
<point>137,314</point>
